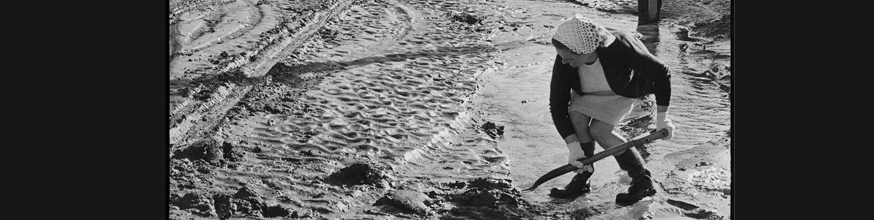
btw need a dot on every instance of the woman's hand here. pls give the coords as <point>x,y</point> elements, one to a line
<point>576,153</point>
<point>662,122</point>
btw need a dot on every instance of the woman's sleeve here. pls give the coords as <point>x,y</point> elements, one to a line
<point>559,98</point>
<point>650,66</point>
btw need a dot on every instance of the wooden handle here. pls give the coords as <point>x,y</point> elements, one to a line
<point>622,147</point>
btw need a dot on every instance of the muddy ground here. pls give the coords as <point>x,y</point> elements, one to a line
<point>423,109</point>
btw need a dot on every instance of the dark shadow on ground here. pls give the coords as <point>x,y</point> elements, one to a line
<point>287,71</point>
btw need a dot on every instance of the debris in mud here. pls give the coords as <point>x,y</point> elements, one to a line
<point>719,29</point>
<point>275,211</point>
<point>361,173</point>
<point>642,122</point>
<point>492,130</point>
<point>586,212</point>
<point>616,6</point>
<point>682,204</point>
<point>491,197</point>
<point>246,202</point>
<point>480,198</point>
<point>465,17</point>
<point>485,183</point>
<point>207,150</point>
<point>702,214</point>
<point>456,185</point>
<point>711,179</point>
<point>203,95</point>
<point>196,203</point>
<point>407,201</point>
<point>232,153</point>
<point>224,207</point>
<point>472,212</point>
<point>184,173</point>
<point>488,192</point>
<point>246,193</point>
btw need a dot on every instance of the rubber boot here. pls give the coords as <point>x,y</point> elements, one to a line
<point>641,179</point>
<point>579,185</point>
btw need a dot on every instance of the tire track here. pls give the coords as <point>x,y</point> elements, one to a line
<point>252,35</point>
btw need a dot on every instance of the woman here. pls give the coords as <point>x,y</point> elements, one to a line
<point>596,77</point>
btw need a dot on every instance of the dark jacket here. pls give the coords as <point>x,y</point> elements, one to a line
<point>630,70</point>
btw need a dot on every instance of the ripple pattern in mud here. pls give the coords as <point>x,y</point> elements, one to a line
<point>702,107</point>
<point>399,90</point>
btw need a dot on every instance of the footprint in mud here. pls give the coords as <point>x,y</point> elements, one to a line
<point>712,179</point>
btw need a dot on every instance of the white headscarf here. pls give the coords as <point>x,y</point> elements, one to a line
<point>581,34</point>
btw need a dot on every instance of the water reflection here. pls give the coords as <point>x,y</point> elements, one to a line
<point>650,37</point>
<point>649,11</point>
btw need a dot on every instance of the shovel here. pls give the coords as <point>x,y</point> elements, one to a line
<point>601,155</point>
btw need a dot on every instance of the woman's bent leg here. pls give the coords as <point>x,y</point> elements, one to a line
<point>579,185</point>
<point>629,160</point>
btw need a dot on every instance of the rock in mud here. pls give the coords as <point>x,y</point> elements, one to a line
<point>492,130</point>
<point>360,174</point>
<point>407,200</point>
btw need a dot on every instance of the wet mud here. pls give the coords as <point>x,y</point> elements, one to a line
<point>421,109</point>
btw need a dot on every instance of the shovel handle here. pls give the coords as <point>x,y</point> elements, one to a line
<point>622,147</point>
<point>600,155</point>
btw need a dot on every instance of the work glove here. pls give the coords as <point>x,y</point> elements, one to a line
<point>576,153</point>
<point>663,122</point>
